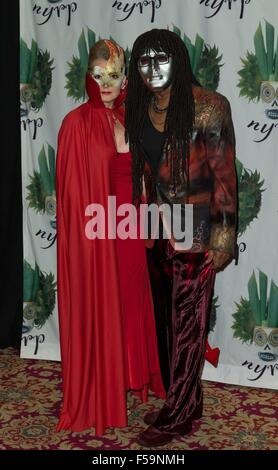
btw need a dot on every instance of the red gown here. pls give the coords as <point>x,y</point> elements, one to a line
<point>142,366</point>
<point>107,347</point>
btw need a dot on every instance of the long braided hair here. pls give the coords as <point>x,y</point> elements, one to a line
<point>181,110</point>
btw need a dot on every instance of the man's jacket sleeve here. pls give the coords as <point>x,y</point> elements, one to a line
<point>220,151</point>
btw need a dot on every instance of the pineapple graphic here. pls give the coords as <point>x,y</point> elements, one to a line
<point>204,59</point>
<point>79,66</point>
<point>41,191</point>
<point>249,196</point>
<point>35,77</point>
<point>261,66</point>
<point>256,318</point>
<point>38,296</point>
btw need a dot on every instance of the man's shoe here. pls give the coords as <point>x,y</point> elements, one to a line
<point>198,413</point>
<point>152,437</point>
<point>150,417</point>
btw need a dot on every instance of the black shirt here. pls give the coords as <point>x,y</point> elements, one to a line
<point>152,142</point>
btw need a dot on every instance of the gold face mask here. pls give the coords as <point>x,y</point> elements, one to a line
<point>112,75</point>
<point>109,76</point>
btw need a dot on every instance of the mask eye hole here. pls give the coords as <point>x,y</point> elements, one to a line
<point>260,337</point>
<point>144,61</point>
<point>162,58</point>
<point>96,76</point>
<point>273,338</point>
<point>267,93</point>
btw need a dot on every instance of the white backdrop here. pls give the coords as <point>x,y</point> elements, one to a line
<point>236,57</point>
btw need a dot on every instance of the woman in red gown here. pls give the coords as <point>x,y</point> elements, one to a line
<point>107,330</point>
<point>137,308</point>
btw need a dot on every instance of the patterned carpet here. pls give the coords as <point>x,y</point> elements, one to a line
<point>235,418</point>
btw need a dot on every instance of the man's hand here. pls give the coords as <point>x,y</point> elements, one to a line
<point>219,258</point>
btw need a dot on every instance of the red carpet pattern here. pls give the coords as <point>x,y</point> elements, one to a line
<point>235,418</point>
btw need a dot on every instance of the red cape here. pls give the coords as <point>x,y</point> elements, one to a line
<point>88,285</point>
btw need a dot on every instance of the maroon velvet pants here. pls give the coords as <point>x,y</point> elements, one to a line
<point>188,281</point>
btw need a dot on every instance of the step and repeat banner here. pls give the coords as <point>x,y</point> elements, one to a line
<point>233,47</point>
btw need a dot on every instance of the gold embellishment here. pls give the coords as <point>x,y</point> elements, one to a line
<point>116,56</point>
<point>203,112</point>
<point>222,239</point>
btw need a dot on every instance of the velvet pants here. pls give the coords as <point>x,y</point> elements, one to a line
<point>182,285</point>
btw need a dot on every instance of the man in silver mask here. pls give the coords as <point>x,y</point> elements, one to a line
<point>182,142</point>
<point>156,69</point>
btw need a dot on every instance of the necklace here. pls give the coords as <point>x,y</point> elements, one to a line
<point>158,121</point>
<point>156,108</point>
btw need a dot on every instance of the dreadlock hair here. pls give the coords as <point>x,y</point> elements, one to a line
<point>181,110</point>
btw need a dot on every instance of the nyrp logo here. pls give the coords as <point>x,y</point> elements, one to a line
<point>256,323</point>
<point>259,81</point>
<point>63,10</point>
<point>126,9</point>
<point>215,6</point>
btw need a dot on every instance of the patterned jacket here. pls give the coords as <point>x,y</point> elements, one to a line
<point>212,184</point>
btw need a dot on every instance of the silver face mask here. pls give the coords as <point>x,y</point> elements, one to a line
<point>156,69</point>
